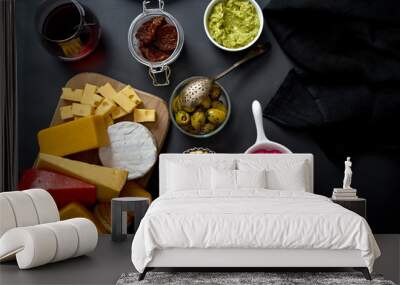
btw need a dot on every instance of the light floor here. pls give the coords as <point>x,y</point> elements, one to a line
<point>110,260</point>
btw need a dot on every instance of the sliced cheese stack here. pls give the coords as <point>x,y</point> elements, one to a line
<point>108,181</point>
<point>104,101</point>
<point>75,136</point>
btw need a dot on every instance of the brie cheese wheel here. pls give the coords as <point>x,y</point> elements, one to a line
<point>132,147</point>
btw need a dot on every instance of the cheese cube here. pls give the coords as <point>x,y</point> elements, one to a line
<point>118,112</point>
<point>72,95</point>
<point>125,103</point>
<point>82,110</point>
<point>108,181</point>
<point>132,95</point>
<point>66,112</point>
<point>109,120</point>
<point>74,136</point>
<point>144,115</point>
<point>107,91</point>
<point>105,107</point>
<point>89,96</point>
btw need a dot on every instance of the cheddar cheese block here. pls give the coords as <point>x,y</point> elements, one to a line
<point>132,189</point>
<point>76,210</point>
<point>102,213</point>
<point>108,181</point>
<point>144,115</point>
<point>75,136</point>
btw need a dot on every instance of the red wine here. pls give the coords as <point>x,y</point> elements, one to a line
<point>62,23</point>
<point>70,31</point>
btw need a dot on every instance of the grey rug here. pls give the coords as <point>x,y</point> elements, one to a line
<point>244,278</point>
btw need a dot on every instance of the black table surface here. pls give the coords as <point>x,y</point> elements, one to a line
<point>41,76</point>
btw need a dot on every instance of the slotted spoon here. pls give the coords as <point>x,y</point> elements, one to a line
<point>194,92</point>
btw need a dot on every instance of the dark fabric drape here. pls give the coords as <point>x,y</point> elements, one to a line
<point>345,88</point>
<point>8,101</point>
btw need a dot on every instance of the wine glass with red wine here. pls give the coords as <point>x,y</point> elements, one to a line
<point>68,29</point>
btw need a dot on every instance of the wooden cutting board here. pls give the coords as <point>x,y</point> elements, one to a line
<point>159,129</point>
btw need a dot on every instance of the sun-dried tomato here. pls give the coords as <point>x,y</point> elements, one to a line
<point>157,39</point>
<point>147,31</point>
<point>153,54</point>
<point>166,38</point>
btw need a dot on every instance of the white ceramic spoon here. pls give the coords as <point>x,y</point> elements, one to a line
<point>262,142</point>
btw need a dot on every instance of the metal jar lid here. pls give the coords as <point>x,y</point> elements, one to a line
<point>159,68</point>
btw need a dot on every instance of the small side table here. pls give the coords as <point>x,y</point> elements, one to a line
<point>119,208</point>
<point>358,206</point>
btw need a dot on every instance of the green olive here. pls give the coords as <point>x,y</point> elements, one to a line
<point>189,129</point>
<point>215,116</point>
<point>218,105</point>
<point>198,119</point>
<point>215,92</point>
<point>207,128</point>
<point>182,118</point>
<point>206,102</point>
<point>189,109</point>
<point>176,104</point>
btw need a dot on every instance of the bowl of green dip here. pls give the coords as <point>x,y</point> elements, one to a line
<point>233,25</point>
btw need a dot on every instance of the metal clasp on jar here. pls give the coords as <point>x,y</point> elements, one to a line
<point>157,72</point>
<point>160,5</point>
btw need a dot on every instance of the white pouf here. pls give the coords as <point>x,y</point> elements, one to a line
<point>40,244</point>
<point>7,220</point>
<point>26,208</point>
<point>23,208</point>
<point>45,205</point>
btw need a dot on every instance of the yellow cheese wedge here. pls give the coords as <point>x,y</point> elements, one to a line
<point>90,97</point>
<point>105,107</point>
<point>132,95</point>
<point>72,95</point>
<point>107,91</point>
<point>81,110</point>
<point>102,213</point>
<point>74,136</point>
<point>144,115</point>
<point>108,181</point>
<point>118,112</point>
<point>66,112</point>
<point>76,210</point>
<point>132,189</point>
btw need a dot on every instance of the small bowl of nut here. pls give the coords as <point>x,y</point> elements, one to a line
<point>204,120</point>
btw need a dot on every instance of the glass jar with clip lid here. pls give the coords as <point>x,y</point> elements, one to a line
<point>150,38</point>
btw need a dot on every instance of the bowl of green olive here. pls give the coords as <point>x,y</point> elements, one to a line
<point>204,120</point>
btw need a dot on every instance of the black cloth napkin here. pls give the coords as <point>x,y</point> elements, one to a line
<point>345,87</point>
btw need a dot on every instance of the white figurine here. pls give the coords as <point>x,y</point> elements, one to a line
<point>347,174</point>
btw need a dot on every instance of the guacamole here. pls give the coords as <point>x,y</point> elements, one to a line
<point>233,23</point>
